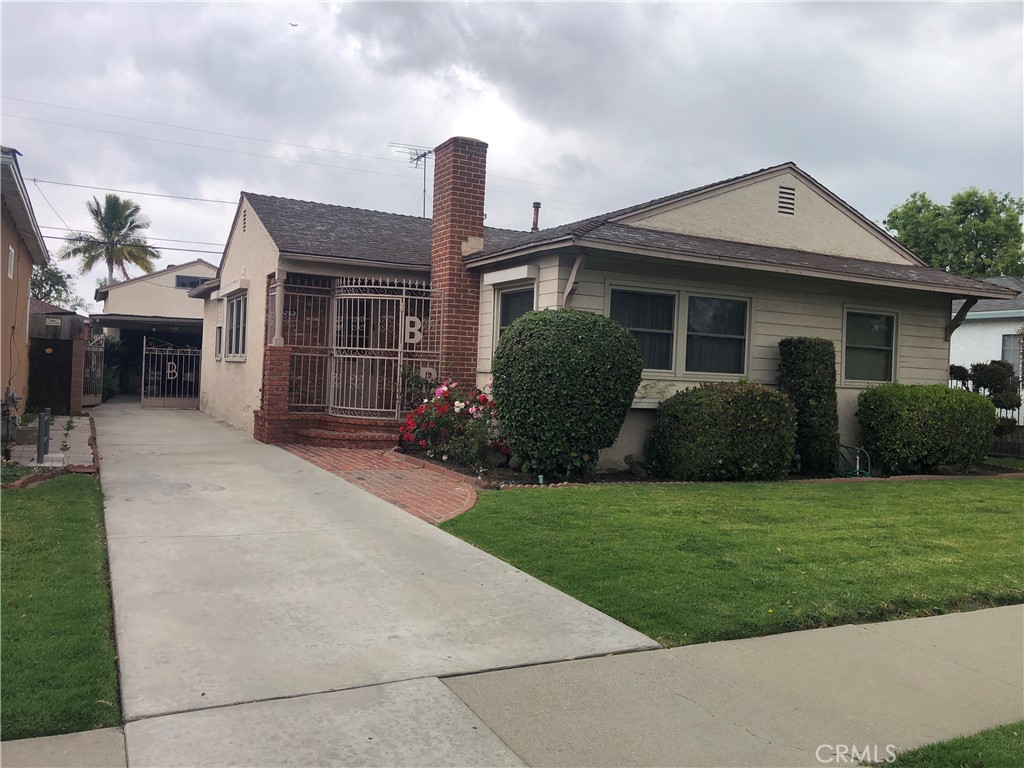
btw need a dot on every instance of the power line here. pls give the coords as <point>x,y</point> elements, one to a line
<point>277,143</point>
<point>148,237</point>
<point>203,146</point>
<point>104,242</point>
<point>50,204</point>
<point>132,192</point>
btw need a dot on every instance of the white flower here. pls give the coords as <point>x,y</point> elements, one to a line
<point>459,405</point>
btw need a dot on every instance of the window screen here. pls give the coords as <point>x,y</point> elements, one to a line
<point>512,306</point>
<point>716,335</point>
<point>650,318</point>
<point>869,345</point>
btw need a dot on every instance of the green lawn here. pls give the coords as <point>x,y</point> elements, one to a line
<point>1001,747</point>
<point>58,672</point>
<point>698,562</point>
<point>1005,461</point>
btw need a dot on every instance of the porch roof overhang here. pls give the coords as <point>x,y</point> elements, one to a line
<point>669,246</point>
<point>147,322</point>
<point>204,290</point>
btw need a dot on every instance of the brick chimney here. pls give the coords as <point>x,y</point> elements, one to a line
<point>458,231</point>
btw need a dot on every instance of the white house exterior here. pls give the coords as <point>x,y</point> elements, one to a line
<point>991,329</point>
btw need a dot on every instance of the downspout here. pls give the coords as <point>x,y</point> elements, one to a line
<point>279,280</point>
<point>958,319</point>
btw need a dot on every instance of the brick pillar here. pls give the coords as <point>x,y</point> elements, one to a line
<point>458,230</point>
<point>271,420</point>
<point>77,375</point>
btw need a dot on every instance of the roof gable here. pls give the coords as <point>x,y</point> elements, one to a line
<point>780,207</point>
<point>200,265</point>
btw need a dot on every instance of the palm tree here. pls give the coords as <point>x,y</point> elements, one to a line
<point>117,238</point>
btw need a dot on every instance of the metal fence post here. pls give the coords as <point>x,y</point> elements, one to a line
<point>43,436</point>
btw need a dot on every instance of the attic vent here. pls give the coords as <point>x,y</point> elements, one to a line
<point>244,214</point>
<point>787,200</point>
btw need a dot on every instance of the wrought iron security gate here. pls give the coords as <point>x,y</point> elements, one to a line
<point>170,375</point>
<point>92,383</point>
<point>381,329</point>
<point>352,339</point>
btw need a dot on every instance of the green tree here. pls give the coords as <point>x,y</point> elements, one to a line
<point>117,239</point>
<point>978,234</point>
<point>55,286</point>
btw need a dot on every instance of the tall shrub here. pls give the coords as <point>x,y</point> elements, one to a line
<point>723,431</point>
<point>807,374</point>
<point>563,382</point>
<point>917,428</point>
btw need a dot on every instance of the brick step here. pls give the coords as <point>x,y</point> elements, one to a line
<point>324,438</point>
<point>341,428</point>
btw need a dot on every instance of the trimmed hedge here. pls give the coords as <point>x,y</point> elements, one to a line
<point>564,380</point>
<point>917,428</point>
<point>723,431</point>
<point>807,374</point>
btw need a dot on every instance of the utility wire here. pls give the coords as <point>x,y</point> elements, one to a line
<point>204,146</point>
<point>132,192</point>
<point>104,242</point>
<point>285,144</point>
<point>50,204</point>
<point>148,237</point>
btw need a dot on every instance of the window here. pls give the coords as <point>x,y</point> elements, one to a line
<point>188,282</point>
<point>650,318</point>
<point>1012,351</point>
<point>236,311</point>
<point>716,335</point>
<point>512,305</point>
<point>869,346</point>
<point>10,261</point>
<point>218,341</point>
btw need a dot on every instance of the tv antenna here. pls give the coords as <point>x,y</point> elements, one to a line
<point>417,155</point>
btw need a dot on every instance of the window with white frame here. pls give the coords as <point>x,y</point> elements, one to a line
<point>650,318</point>
<point>235,326</point>
<point>869,346</point>
<point>716,335</point>
<point>1012,349</point>
<point>513,303</point>
<point>218,332</point>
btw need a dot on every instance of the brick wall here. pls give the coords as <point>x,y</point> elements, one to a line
<point>459,175</point>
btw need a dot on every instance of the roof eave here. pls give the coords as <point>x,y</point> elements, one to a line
<point>496,257</point>
<point>343,261</point>
<point>724,261</point>
<point>203,290</point>
<point>24,216</point>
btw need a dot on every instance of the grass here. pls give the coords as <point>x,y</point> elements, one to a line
<point>58,673</point>
<point>1001,747</point>
<point>699,562</point>
<point>12,471</point>
<point>1005,461</point>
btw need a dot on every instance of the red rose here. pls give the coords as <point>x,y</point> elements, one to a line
<point>423,443</point>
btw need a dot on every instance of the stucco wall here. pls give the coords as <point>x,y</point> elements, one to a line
<point>14,310</point>
<point>750,214</point>
<point>780,306</point>
<point>156,295</point>
<point>979,341</point>
<point>230,389</point>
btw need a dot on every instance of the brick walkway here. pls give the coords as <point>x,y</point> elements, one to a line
<point>429,495</point>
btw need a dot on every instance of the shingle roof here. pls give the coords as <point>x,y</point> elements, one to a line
<point>999,305</point>
<point>710,249</point>
<point>319,229</point>
<point>37,307</point>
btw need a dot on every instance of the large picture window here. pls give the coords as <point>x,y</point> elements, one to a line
<point>716,335</point>
<point>236,319</point>
<point>650,318</point>
<point>869,346</point>
<point>513,304</point>
<point>1012,351</point>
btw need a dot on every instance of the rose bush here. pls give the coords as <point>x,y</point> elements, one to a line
<point>457,424</point>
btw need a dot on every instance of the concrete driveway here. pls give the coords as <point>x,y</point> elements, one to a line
<point>244,574</point>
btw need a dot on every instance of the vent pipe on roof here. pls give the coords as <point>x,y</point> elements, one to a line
<point>536,217</point>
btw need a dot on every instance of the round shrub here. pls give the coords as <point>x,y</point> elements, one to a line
<point>807,374</point>
<point>563,382</point>
<point>723,432</point>
<point>917,428</point>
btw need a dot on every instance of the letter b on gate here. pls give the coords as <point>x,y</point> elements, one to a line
<point>413,330</point>
<point>172,371</point>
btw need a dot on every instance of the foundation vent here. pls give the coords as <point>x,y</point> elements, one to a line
<point>787,200</point>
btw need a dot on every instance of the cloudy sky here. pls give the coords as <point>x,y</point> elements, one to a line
<point>586,107</point>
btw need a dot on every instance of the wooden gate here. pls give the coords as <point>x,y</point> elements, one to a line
<point>170,375</point>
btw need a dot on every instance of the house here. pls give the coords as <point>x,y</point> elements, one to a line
<point>991,329</point>
<point>152,314</point>
<point>317,309</point>
<point>22,246</point>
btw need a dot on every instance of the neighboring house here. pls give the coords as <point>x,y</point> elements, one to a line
<point>317,309</point>
<point>22,246</point>
<point>991,329</point>
<point>155,310</point>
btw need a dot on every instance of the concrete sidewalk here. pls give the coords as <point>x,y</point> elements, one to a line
<point>783,700</point>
